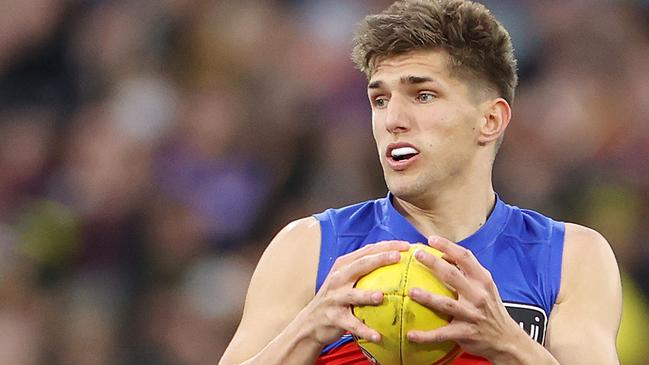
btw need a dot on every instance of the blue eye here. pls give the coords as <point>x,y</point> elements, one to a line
<point>425,97</point>
<point>381,102</point>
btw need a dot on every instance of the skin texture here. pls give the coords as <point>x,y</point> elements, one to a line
<point>445,192</point>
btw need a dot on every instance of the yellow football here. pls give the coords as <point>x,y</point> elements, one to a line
<point>399,314</point>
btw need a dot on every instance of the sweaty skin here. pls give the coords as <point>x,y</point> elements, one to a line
<point>444,191</point>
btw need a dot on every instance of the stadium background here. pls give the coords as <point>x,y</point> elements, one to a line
<point>150,149</point>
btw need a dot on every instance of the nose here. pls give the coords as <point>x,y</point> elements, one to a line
<point>396,120</point>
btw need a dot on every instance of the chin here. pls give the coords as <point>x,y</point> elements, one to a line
<point>405,188</point>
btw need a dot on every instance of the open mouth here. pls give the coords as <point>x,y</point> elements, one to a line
<point>403,153</point>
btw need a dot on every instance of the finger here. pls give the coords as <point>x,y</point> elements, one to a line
<point>445,272</point>
<point>369,263</point>
<point>358,297</point>
<point>451,332</point>
<point>446,305</point>
<point>372,249</point>
<point>459,256</point>
<point>359,329</point>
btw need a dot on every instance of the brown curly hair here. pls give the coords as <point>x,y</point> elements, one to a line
<point>479,47</point>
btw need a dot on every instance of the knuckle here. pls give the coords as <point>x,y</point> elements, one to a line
<point>347,297</point>
<point>356,297</point>
<point>472,332</point>
<point>438,337</point>
<point>480,317</point>
<point>330,317</point>
<point>488,274</point>
<point>451,275</point>
<point>329,301</point>
<point>365,260</point>
<point>355,327</point>
<point>450,305</point>
<point>466,254</point>
<point>489,287</point>
<point>481,300</point>
<point>340,261</point>
<point>488,277</point>
<point>335,278</point>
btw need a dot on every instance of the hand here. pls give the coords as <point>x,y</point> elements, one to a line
<point>330,311</point>
<point>480,324</point>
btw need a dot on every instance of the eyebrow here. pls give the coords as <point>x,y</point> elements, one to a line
<point>410,80</point>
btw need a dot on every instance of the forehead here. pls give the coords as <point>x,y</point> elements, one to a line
<point>434,63</point>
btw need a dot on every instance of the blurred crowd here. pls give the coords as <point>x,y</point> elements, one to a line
<point>150,149</point>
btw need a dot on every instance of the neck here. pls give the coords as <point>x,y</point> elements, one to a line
<point>454,214</point>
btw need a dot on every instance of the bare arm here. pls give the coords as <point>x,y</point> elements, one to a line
<point>282,284</point>
<point>584,322</point>
<point>283,322</point>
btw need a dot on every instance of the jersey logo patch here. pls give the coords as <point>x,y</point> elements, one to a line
<point>531,319</point>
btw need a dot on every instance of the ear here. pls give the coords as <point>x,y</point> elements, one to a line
<point>497,114</point>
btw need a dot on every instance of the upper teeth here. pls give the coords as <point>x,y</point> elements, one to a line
<point>402,151</point>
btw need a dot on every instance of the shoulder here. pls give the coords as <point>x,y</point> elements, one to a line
<point>586,245</point>
<point>290,261</point>
<point>297,230</point>
<point>353,218</point>
<point>587,257</point>
<point>288,265</point>
<point>298,243</point>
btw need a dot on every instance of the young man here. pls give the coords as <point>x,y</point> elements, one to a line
<point>531,290</point>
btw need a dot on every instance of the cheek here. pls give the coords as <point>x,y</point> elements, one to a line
<point>438,127</point>
<point>451,130</point>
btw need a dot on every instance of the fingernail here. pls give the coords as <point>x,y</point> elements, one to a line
<point>375,338</point>
<point>414,292</point>
<point>419,254</point>
<point>377,298</point>
<point>412,336</point>
<point>394,255</point>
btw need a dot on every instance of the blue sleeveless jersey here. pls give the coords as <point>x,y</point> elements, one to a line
<point>521,248</point>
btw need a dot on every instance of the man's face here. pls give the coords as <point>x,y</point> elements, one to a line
<point>426,123</point>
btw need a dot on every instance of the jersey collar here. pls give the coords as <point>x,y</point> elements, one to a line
<point>482,238</point>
